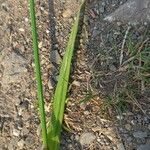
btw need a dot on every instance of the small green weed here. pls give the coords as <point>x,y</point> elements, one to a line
<point>136,68</point>
<point>88,96</point>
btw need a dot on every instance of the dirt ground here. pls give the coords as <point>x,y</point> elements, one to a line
<point>109,102</point>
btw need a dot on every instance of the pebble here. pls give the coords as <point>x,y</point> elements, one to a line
<point>102,9</point>
<point>77,137</point>
<point>50,84</point>
<point>87,138</point>
<point>21,29</point>
<point>30,140</point>
<point>119,117</point>
<point>149,126</point>
<point>98,140</point>
<point>47,31</point>
<point>83,106</point>
<point>120,146</point>
<point>26,19</point>
<point>133,122</point>
<point>5,6</point>
<point>112,68</point>
<point>55,57</point>
<point>76,83</point>
<point>129,139</point>
<point>66,13</point>
<point>24,131</point>
<point>128,127</point>
<point>16,132</point>
<point>40,44</point>
<point>24,104</point>
<point>140,134</point>
<point>10,146</point>
<point>86,112</point>
<point>21,144</point>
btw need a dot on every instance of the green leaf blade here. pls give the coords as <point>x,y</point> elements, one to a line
<point>55,127</point>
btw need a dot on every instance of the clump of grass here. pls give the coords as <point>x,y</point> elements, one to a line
<point>136,68</point>
<point>51,134</point>
<point>138,63</point>
<point>88,96</point>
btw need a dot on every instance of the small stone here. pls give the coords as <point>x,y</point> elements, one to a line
<point>26,19</point>
<point>83,106</point>
<point>149,126</point>
<point>133,122</point>
<point>24,104</point>
<point>21,29</point>
<point>47,31</point>
<point>76,83</point>
<point>98,140</point>
<point>40,44</point>
<point>16,132</point>
<point>25,115</point>
<point>50,84</point>
<point>30,140</point>
<point>129,139</point>
<point>140,134</point>
<point>24,131</point>
<point>120,146</point>
<point>144,147</point>
<point>128,127</point>
<point>55,57</point>
<point>10,146</point>
<point>66,13</point>
<point>56,46</point>
<point>5,6</point>
<point>77,137</point>
<point>112,68</point>
<point>38,131</point>
<point>87,138</point>
<point>86,112</point>
<point>119,117</point>
<point>21,144</point>
<point>102,9</point>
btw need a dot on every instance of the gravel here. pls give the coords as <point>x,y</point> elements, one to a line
<point>55,57</point>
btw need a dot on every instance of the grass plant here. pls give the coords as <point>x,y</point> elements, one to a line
<point>51,134</point>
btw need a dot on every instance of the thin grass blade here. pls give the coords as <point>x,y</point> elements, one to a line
<point>38,73</point>
<point>55,127</point>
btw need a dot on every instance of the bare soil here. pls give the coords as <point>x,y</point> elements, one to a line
<point>96,123</point>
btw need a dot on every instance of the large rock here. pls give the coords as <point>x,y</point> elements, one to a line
<point>13,72</point>
<point>144,147</point>
<point>14,68</point>
<point>133,11</point>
